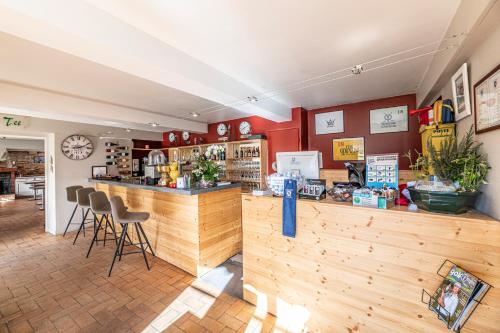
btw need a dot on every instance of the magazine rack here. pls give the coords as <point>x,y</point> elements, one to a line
<point>447,318</point>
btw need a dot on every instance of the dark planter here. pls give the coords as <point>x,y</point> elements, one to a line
<point>444,202</point>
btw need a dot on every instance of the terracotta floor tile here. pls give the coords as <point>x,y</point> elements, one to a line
<point>47,285</point>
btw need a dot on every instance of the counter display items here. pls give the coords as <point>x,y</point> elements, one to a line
<point>314,189</point>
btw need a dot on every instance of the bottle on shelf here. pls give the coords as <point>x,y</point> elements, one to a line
<point>241,152</point>
<point>223,155</point>
<point>110,144</point>
<point>236,153</point>
<point>257,152</point>
<point>122,154</point>
<point>111,163</point>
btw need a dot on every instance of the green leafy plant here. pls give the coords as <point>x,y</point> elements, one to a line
<point>419,165</point>
<point>461,162</point>
<point>206,170</point>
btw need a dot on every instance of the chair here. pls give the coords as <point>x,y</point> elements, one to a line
<point>99,204</point>
<point>71,197</point>
<point>82,197</point>
<point>122,216</point>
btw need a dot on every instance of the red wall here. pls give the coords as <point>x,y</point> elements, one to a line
<point>299,133</point>
<point>357,124</point>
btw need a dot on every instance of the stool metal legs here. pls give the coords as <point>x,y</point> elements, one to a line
<point>70,219</point>
<point>98,228</point>
<point>121,244</point>
<point>82,225</point>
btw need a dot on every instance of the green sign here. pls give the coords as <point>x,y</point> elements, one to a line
<point>14,121</point>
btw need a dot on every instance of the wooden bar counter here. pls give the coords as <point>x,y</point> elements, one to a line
<point>195,230</point>
<point>353,269</point>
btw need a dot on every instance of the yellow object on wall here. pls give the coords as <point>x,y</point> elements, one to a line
<point>349,149</point>
<point>436,134</point>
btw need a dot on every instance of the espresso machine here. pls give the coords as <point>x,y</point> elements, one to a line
<point>152,172</point>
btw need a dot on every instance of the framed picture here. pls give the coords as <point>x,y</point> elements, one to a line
<point>461,98</point>
<point>389,120</point>
<point>39,159</point>
<point>487,102</point>
<point>99,171</point>
<point>349,149</point>
<point>329,122</point>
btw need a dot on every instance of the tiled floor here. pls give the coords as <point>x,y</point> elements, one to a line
<point>47,285</point>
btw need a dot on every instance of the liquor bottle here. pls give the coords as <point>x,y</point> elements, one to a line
<point>241,152</point>
<point>110,157</point>
<point>223,155</point>
<point>122,154</point>
<point>111,163</point>
<point>110,144</point>
<point>253,152</point>
<point>110,151</point>
<point>236,153</point>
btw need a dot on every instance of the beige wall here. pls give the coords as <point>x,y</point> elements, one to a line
<point>480,62</point>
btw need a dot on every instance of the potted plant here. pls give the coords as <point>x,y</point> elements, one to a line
<point>461,165</point>
<point>205,172</point>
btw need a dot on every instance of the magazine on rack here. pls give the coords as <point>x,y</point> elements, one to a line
<point>454,298</point>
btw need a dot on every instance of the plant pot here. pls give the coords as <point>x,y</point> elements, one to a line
<point>206,183</point>
<point>444,202</point>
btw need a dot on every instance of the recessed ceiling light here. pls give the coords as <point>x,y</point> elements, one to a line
<point>252,99</point>
<point>194,114</point>
<point>128,130</point>
<point>108,132</point>
<point>154,124</point>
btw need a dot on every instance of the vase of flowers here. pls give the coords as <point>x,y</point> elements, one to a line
<point>205,171</point>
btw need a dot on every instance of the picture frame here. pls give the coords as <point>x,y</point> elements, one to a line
<point>461,96</point>
<point>329,122</point>
<point>99,171</point>
<point>348,149</point>
<point>389,120</point>
<point>487,102</point>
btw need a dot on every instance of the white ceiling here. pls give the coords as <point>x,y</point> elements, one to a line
<point>176,57</point>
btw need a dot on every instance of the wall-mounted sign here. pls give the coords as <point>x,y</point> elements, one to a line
<point>382,170</point>
<point>389,120</point>
<point>12,122</point>
<point>329,122</point>
<point>487,102</point>
<point>349,149</point>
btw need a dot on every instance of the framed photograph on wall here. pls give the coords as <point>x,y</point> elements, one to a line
<point>99,171</point>
<point>349,149</point>
<point>461,97</point>
<point>329,122</point>
<point>389,120</point>
<point>487,102</point>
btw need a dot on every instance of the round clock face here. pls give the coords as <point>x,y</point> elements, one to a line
<point>185,135</point>
<point>221,129</point>
<point>77,147</point>
<point>171,137</point>
<point>245,127</point>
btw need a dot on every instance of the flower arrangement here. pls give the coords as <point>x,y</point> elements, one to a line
<point>213,150</point>
<point>205,171</point>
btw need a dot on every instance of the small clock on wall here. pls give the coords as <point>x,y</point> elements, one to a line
<point>77,147</point>
<point>185,136</point>
<point>221,129</point>
<point>171,137</point>
<point>245,128</point>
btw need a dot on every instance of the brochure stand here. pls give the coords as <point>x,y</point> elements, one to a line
<point>447,318</point>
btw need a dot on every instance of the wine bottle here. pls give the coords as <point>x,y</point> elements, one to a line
<point>110,144</point>
<point>236,153</point>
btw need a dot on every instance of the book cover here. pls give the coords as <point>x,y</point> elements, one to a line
<point>453,294</point>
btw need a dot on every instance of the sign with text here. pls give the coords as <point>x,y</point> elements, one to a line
<point>349,149</point>
<point>329,122</point>
<point>389,120</point>
<point>12,122</point>
<point>382,170</point>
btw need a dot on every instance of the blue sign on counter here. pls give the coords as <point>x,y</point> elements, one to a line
<point>382,170</point>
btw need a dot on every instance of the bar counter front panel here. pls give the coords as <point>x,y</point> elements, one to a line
<point>353,269</point>
<point>195,232</point>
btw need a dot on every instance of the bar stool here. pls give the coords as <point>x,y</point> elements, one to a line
<point>71,197</point>
<point>122,216</point>
<point>100,205</point>
<point>82,197</point>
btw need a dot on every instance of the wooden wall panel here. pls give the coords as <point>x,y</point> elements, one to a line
<point>362,270</point>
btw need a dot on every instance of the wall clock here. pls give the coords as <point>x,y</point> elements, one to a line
<point>221,129</point>
<point>171,137</point>
<point>185,136</point>
<point>77,147</point>
<point>245,128</point>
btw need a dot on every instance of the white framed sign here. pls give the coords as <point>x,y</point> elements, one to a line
<point>389,120</point>
<point>329,122</point>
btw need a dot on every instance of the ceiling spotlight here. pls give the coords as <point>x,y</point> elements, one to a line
<point>153,124</point>
<point>194,114</point>
<point>356,70</point>
<point>128,130</point>
<point>108,132</point>
<point>252,99</point>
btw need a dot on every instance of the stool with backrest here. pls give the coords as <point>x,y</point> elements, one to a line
<point>122,216</point>
<point>71,197</point>
<point>100,205</point>
<point>82,197</point>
